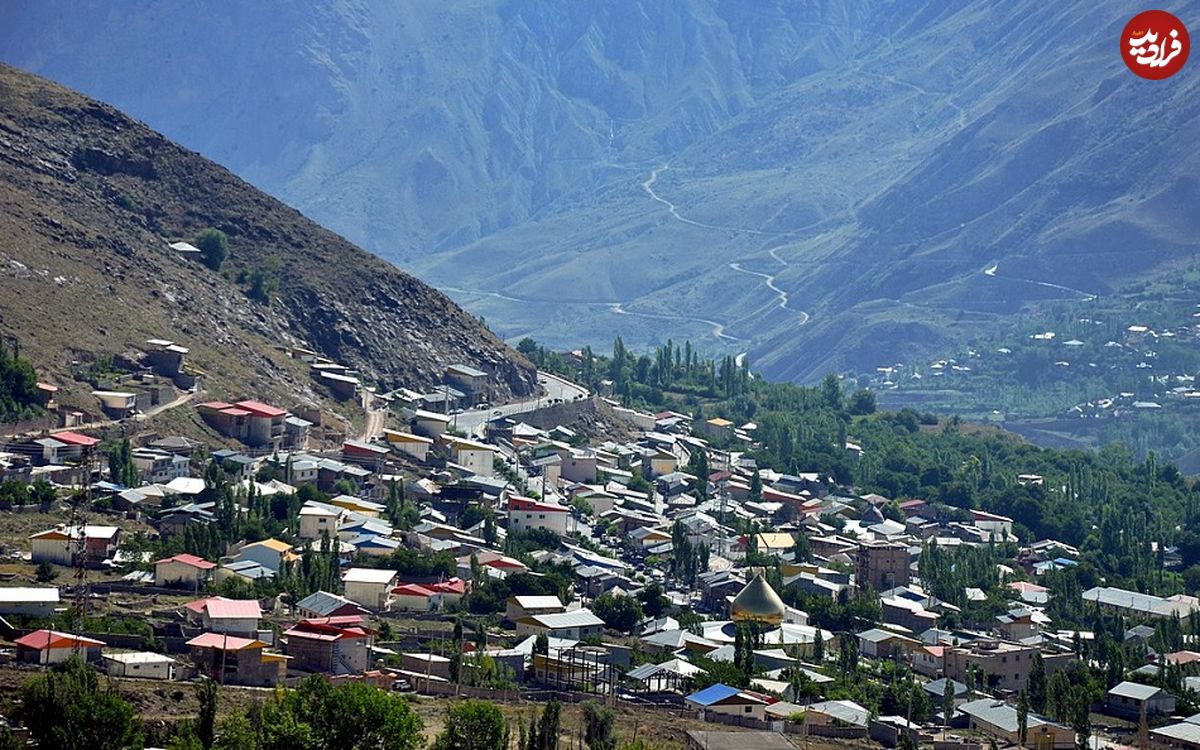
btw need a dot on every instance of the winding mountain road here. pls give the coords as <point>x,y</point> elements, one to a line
<point>617,308</point>
<point>991,270</point>
<point>768,279</point>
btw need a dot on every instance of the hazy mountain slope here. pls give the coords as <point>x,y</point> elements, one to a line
<point>820,183</point>
<point>884,189</point>
<point>88,198</point>
<point>406,126</point>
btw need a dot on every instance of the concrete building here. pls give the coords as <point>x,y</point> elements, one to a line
<point>576,625</point>
<point>883,644</point>
<point>406,442</point>
<point>427,597</point>
<point>1005,665</point>
<point>1128,700</point>
<point>186,571</point>
<point>883,565</point>
<point>27,601</point>
<point>472,381</point>
<point>334,645</point>
<point>430,423</point>
<point>52,647</point>
<point>57,545</point>
<point>1135,604</point>
<point>475,456</point>
<point>317,520</point>
<point>272,554</point>
<point>225,616</point>
<point>521,606</point>
<point>143,664</point>
<point>159,467</point>
<point>231,660</point>
<point>369,587</point>
<point>999,719</point>
<point>526,514</point>
<point>726,700</point>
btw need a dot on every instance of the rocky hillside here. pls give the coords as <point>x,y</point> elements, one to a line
<point>89,199</point>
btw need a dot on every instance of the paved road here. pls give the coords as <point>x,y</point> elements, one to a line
<point>473,420</point>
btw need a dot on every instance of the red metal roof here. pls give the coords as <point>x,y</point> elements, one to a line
<point>412,589</point>
<point>452,586</point>
<point>516,502</point>
<point>40,640</point>
<point>220,607</point>
<point>224,642</point>
<point>74,438</point>
<point>234,609</point>
<point>186,559</point>
<point>260,409</point>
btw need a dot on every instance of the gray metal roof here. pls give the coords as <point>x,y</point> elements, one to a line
<point>1135,691</point>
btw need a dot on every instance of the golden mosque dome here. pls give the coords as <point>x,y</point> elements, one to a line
<point>758,602</point>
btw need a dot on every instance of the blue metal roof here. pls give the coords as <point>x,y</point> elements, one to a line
<point>713,694</point>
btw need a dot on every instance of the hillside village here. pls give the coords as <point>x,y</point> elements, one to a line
<point>459,547</point>
<point>1077,375</point>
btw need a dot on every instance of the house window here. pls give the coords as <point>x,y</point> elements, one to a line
<point>748,709</point>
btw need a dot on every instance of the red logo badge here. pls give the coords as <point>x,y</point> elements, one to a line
<point>1155,44</point>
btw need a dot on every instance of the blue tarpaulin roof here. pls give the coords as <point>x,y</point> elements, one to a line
<point>710,695</point>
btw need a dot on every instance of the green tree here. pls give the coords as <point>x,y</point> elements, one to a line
<point>861,403</point>
<point>831,392</point>
<point>621,613</point>
<point>206,721</point>
<point>1037,683</point>
<point>214,247</point>
<point>358,715</point>
<point>1080,717</point>
<point>18,385</point>
<point>121,469</point>
<point>1058,696</point>
<point>67,708</point>
<point>947,701</point>
<point>543,733</point>
<point>473,725</point>
<point>598,730</point>
<point>1022,717</point>
<point>236,733</point>
<point>654,601</point>
<point>185,739</point>
<point>45,572</point>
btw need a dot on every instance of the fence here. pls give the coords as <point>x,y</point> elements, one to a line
<point>735,721</point>
<point>835,732</point>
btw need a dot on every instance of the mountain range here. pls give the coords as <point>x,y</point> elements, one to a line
<point>827,185</point>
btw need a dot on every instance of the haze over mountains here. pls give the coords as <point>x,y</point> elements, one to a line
<point>827,185</point>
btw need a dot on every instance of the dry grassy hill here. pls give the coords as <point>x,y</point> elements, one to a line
<point>89,199</point>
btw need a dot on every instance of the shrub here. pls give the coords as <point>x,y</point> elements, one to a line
<point>214,247</point>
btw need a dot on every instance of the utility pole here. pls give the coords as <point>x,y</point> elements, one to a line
<point>77,543</point>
